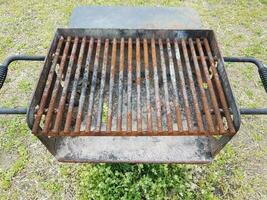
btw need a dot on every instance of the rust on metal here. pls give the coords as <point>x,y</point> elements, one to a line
<point>84,86</point>
<point>74,87</point>
<point>111,84</point>
<point>148,106</point>
<point>102,86</point>
<point>62,101</point>
<point>219,87</point>
<point>192,87</point>
<point>201,88</point>
<point>56,87</point>
<point>121,68</point>
<point>138,85</point>
<point>165,85</point>
<point>210,87</point>
<point>47,88</point>
<point>93,86</point>
<point>183,85</point>
<point>129,85</point>
<point>156,84</point>
<point>173,80</point>
<point>135,133</point>
<point>134,86</point>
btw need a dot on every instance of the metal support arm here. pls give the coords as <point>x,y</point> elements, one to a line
<point>220,143</point>
<point>263,75</point>
<point>3,74</point>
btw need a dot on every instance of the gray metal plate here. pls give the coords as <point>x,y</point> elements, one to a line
<point>164,149</point>
<point>134,18</point>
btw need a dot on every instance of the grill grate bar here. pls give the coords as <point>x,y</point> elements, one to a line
<point>219,87</point>
<point>61,106</point>
<point>129,86</point>
<point>121,68</point>
<point>192,87</point>
<point>111,84</point>
<point>202,90</point>
<point>93,86</point>
<point>210,87</point>
<point>74,87</point>
<point>173,80</point>
<point>84,86</point>
<point>138,85</point>
<point>51,111</point>
<point>156,84</point>
<point>47,87</point>
<point>165,85</point>
<point>183,85</point>
<point>149,115</point>
<point>102,86</point>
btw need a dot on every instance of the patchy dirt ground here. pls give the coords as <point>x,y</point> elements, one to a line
<point>28,171</point>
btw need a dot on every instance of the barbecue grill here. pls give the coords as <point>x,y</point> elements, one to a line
<point>133,94</point>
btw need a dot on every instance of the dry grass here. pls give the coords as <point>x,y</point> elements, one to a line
<point>28,171</point>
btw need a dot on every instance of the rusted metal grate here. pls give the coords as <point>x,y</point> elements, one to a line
<point>132,86</point>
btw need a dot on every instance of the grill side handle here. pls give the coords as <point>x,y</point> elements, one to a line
<point>263,75</point>
<point>3,74</point>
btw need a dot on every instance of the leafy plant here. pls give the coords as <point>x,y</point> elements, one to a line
<point>136,181</point>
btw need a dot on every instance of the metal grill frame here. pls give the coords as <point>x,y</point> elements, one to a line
<point>133,33</point>
<point>149,149</point>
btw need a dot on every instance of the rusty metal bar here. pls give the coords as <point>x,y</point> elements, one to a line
<point>120,97</point>
<point>56,87</point>
<point>148,106</point>
<point>111,83</point>
<point>102,86</point>
<point>45,95</point>
<point>201,88</point>
<point>124,133</point>
<point>219,87</point>
<point>129,86</point>
<point>165,85</point>
<point>156,84</point>
<point>84,86</point>
<point>210,87</point>
<point>93,86</point>
<point>182,80</point>
<point>63,98</point>
<point>149,43</point>
<point>192,87</point>
<point>173,80</point>
<point>138,82</point>
<point>74,86</point>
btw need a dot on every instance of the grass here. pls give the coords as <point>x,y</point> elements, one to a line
<point>53,187</point>
<point>154,181</point>
<point>7,175</point>
<point>32,173</point>
<point>8,144</point>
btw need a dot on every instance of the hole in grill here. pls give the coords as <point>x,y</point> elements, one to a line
<point>132,86</point>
